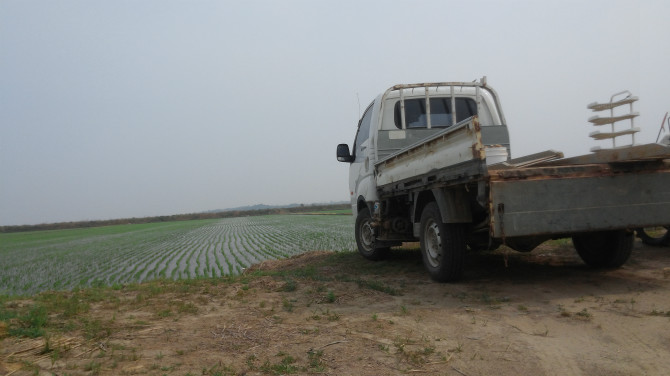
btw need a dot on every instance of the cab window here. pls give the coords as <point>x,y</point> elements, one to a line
<point>440,112</point>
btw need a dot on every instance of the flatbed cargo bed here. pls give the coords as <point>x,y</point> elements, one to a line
<point>564,197</point>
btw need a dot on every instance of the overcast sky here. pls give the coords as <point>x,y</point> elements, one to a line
<point>125,108</point>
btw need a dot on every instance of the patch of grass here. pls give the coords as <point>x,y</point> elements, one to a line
<point>187,307</point>
<point>68,304</point>
<point>164,313</point>
<point>314,360</point>
<point>584,314</point>
<point>287,305</point>
<point>290,285</point>
<point>96,329</point>
<point>330,297</point>
<point>563,312</point>
<point>310,331</point>
<point>411,351</point>
<point>93,367</point>
<point>6,314</point>
<point>284,367</point>
<point>490,300</point>
<point>332,316</point>
<point>563,242</point>
<point>219,370</point>
<point>457,349</point>
<point>251,361</point>
<point>462,296</point>
<point>399,343</point>
<point>421,355</point>
<point>377,286</point>
<point>30,324</point>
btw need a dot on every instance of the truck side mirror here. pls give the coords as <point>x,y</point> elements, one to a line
<point>343,154</point>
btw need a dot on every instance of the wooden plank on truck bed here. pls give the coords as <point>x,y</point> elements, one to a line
<point>529,160</point>
<point>641,152</point>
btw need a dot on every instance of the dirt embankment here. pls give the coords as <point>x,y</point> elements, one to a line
<point>545,313</point>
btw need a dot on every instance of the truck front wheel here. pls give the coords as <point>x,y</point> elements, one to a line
<point>365,237</point>
<point>442,245</point>
<point>604,249</point>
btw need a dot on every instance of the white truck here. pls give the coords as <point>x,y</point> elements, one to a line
<point>430,163</point>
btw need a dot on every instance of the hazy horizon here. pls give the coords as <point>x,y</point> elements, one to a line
<point>119,109</point>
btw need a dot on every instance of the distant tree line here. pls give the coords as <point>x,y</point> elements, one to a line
<point>176,217</point>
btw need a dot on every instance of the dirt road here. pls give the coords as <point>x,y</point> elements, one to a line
<point>542,313</point>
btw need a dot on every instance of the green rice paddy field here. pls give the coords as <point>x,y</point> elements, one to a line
<point>32,262</point>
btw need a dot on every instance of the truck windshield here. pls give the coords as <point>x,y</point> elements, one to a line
<point>440,112</point>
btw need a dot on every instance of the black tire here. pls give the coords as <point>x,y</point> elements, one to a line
<point>365,237</point>
<point>442,245</point>
<point>656,236</point>
<point>604,249</point>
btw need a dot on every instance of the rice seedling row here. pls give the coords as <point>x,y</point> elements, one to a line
<point>65,259</point>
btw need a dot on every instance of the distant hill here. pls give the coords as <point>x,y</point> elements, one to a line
<point>268,207</point>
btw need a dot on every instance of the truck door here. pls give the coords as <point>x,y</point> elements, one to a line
<point>361,169</point>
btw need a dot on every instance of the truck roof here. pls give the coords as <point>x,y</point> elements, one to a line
<point>480,90</point>
<point>394,91</point>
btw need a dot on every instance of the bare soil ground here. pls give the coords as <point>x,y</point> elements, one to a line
<point>542,313</point>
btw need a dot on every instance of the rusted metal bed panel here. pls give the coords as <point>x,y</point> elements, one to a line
<point>546,206</point>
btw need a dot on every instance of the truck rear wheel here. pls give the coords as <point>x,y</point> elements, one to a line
<point>604,249</point>
<point>442,245</point>
<point>656,236</point>
<point>365,237</point>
